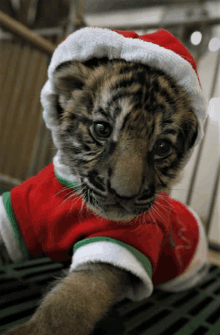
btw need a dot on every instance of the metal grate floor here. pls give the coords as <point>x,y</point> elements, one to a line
<point>193,312</point>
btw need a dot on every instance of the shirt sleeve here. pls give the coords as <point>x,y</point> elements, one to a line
<point>10,231</point>
<point>119,254</point>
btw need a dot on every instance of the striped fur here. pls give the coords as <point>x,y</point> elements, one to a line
<point>126,130</point>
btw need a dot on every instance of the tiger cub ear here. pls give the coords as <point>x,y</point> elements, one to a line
<point>67,77</point>
<point>188,131</point>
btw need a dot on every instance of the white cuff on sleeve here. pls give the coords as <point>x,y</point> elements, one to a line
<point>7,234</point>
<point>119,256</point>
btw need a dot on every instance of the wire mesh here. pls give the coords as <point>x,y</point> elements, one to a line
<point>192,312</point>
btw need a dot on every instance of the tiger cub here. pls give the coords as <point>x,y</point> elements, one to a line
<point>113,115</point>
<point>116,114</point>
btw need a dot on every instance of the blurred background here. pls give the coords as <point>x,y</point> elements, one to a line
<point>30,31</point>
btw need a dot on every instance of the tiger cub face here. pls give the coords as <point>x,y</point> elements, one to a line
<point>126,131</point>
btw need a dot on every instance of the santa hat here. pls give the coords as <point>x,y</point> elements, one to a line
<point>160,49</point>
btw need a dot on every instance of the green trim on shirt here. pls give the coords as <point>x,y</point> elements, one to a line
<point>141,257</point>
<point>66,183</point>
<point>15,226</point>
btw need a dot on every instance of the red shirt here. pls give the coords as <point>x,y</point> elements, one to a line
<point>51,222</point>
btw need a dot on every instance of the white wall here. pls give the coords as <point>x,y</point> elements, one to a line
<point>206,177</point>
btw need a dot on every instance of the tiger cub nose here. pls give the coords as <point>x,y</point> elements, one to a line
<point>127,177</point>
<point>124,194</point>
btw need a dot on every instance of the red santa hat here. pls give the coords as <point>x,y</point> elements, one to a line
<point>160,49</point>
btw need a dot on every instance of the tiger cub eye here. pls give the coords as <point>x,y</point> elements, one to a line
<point>162,148</point>
<point>102,129</point>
